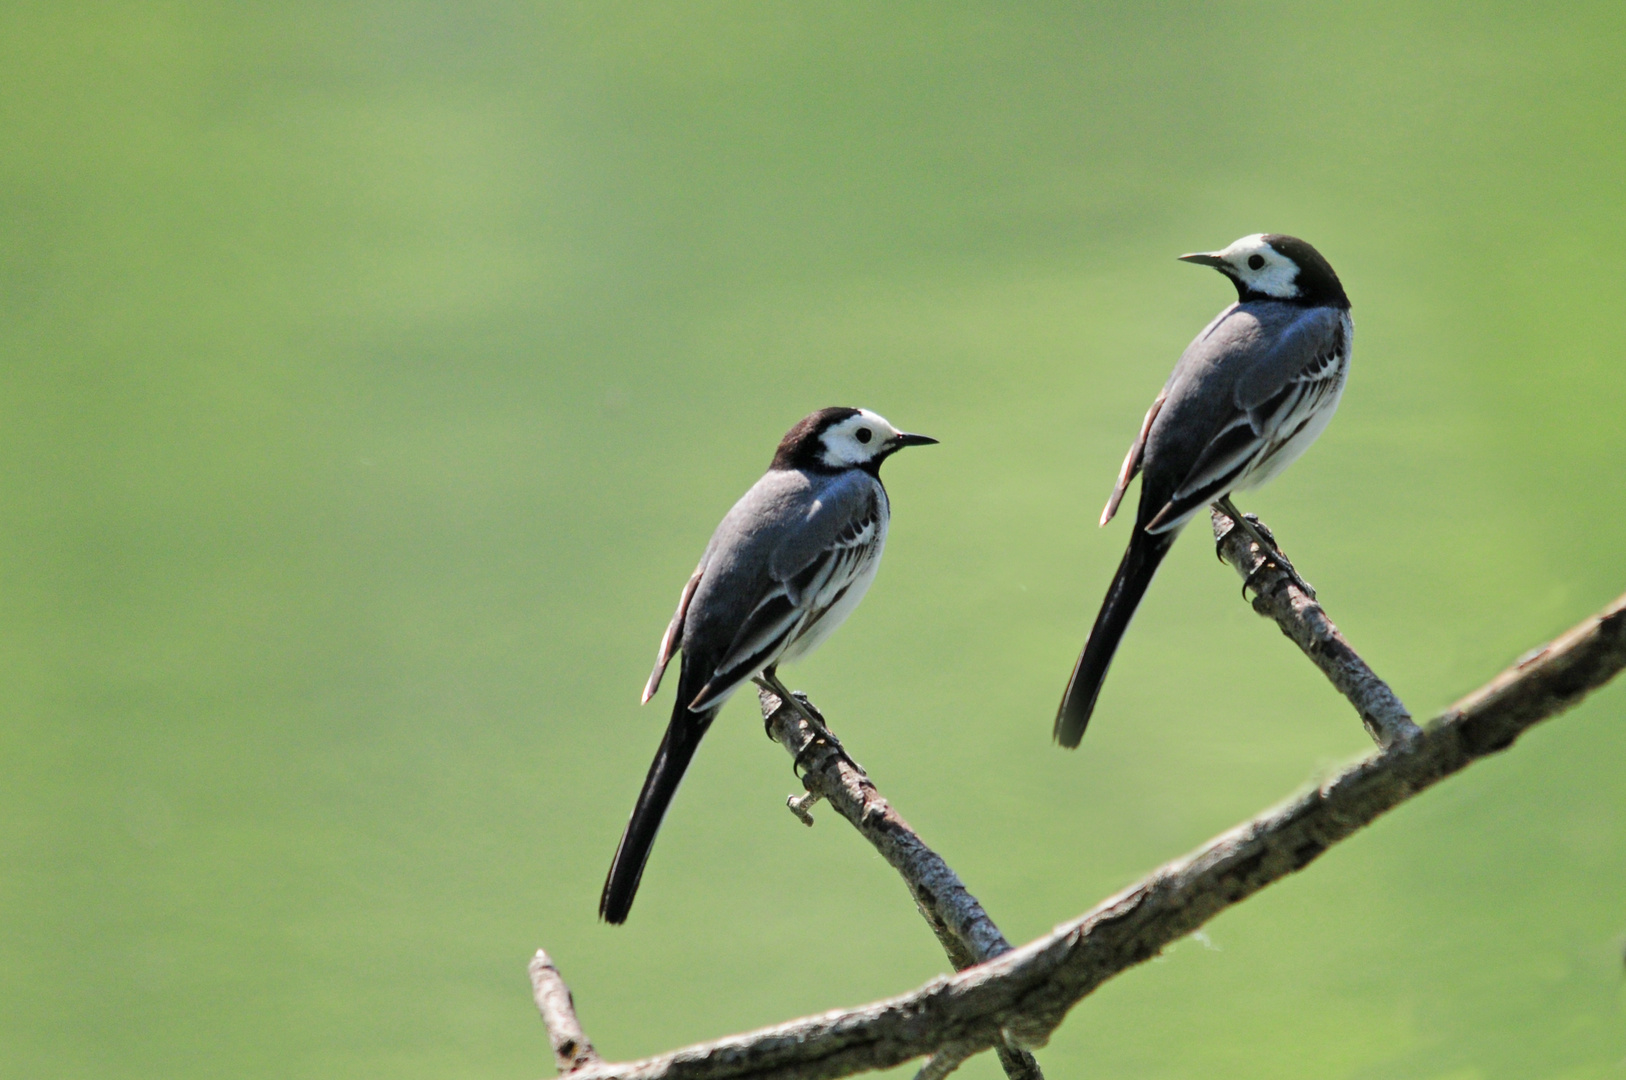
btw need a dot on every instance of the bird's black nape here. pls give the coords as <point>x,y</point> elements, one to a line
<point>1318,283</point>
<point>800,448</point>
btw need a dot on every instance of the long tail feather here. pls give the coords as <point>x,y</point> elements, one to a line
<point>677,749</point>
<point>1135,572</point>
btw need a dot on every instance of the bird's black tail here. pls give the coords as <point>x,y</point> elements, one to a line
<point>1140,562</point>
<point>678,745</point>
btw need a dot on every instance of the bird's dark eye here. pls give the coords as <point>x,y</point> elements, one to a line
<point>1255,262</point>
<point>864,434</point>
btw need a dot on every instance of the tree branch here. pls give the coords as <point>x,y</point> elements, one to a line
<point>1278,596</point>
<point>1024,993</point>
<point>963,928</point>
<point>571,1049</point>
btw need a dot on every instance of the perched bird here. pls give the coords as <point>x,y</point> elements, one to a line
<point>1248,396</point>
<point>786,566</point>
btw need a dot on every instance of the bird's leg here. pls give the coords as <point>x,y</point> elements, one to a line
<point>767,721</point>
<point>1260,534</point>
<point>769,680</point>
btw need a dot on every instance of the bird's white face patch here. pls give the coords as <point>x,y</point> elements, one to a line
<point>856,440</point>
<point>1261,267</point>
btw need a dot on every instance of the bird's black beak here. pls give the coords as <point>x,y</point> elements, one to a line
<point>1205,258</point>
<point>904,438</point>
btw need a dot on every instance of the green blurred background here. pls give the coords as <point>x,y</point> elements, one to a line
<point>373,375</point>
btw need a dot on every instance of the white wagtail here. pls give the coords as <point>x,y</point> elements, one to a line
<point>785,567</point>
<point>1248,396</point>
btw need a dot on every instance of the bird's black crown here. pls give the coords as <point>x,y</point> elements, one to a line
<point>1318,284</point>
<point>800,448</point>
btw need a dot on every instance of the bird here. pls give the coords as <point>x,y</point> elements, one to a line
<point>1247,397</point>
<point>785,567</point>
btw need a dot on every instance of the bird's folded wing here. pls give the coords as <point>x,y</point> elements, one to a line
<point>1281,416</point>
<point>1306,351</point>
<point>1219,466</point>
<point>846,514</point>
<point>764,634</point>
<point>1273,401</point>
<point>809,571</point>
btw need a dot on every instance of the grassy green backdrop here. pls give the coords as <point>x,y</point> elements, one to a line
<point>373,375</point>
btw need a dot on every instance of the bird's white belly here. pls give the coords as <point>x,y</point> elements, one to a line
<point>817,631</point>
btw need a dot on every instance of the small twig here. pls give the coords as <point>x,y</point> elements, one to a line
<point>571,1049</point>
<point>961,925</point>
<point>1278,596</point>
<point>802,806</point>
<point>944,1062</point>
<point>1017,1062</point>
<point>1034,986</point>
